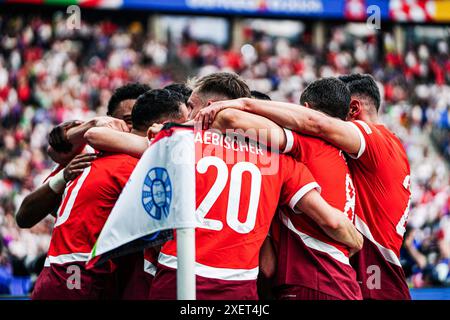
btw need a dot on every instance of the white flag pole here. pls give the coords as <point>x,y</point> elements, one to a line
<point>186,288</point>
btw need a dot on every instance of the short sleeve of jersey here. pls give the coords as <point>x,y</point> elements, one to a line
<point>293,144</point>
<point>298,181</point>
<point>371,147</point>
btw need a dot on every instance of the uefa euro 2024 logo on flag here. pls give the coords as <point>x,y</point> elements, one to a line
<point>157,193</point>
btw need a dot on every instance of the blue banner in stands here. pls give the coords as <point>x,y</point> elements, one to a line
<point>349,9</point>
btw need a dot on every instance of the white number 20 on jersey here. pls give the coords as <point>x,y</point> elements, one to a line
<point>235,178</point>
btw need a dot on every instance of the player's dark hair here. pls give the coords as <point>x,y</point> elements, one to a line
<point>363,85</point>
<point>259,95</point>
<point>226,84</point>
<point>126,92</point>
<point>181,88</point>
<point>156,106</point>
<point>329,95</point>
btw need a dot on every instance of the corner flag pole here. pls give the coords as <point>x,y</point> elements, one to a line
<point>186,288</point>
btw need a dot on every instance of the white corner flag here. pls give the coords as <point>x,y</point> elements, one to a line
<point>160,195</point>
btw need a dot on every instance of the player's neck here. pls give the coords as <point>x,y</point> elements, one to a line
<point>369,117</point>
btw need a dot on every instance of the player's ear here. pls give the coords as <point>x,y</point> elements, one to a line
<point>355,109</point>
<point>306,105</point>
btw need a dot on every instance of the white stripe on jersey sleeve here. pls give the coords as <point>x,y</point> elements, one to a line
<point>362,146</point>
<point>300,193</point>
<point>289,140</point>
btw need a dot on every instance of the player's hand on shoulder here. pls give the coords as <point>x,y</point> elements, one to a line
<point>110,122</point>
<point>206,116</point>
<point>58,139</point>
<point>154,130</point>
<point>77,165</point>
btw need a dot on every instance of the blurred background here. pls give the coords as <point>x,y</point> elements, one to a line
<point>52,72</point>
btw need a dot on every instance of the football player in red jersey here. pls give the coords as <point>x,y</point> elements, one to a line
<point>66,142</point>
<point>236,201</point>
<point>85,206</point>
<point>238,187</point>
<point>380,172</point>
<point>309,264</point>
<point>64,146</point>
<point>44,200</point>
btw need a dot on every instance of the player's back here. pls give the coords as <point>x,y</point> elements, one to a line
<point>381,175</point>
<point>85,206</point>
<point>238,187</point>
<point>307,256</point>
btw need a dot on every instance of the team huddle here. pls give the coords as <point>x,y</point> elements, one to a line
<point>303,201</point>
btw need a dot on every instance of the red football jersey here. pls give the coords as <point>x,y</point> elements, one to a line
<point>86,204</point>
<point>381,175</point>
<point>58,167</point>
<point>307,256</point>
<point>239,185</point>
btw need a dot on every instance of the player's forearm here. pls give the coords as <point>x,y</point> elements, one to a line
<point>307,121</point>
<point>107,139</point>
<point>332,221</point>
<point>344,232</point>
<point>36,206</point>
<point>288,115</point>
<point>76,135</point>
<point>253,126</point>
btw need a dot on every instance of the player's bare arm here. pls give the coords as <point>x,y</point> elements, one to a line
<point>60,150</point>
<point>252,126</point>
<point>111,140</point>
<point>67,139</point>
<point>332,221</point>
<point>45,200</point>
<point>292,116</point>
<point>37,205</point>
<point>76,137</point>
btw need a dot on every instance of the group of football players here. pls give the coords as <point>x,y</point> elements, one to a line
<point>327,224</point>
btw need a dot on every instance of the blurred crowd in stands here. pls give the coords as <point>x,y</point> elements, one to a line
<point>49,74</point>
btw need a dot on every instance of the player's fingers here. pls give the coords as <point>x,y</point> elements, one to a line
<point>72,124</point>
<point>80,165</point>
<point>74,173</point>
<point>198,116</point>
<point>212,115</point>
<point>124,127</point>
<point>206,121</point>
<point>198,124</point>
<point>86,156</point>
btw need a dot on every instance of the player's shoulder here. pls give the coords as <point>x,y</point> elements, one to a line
<point>116,160</point>
<point>383,133</point>
<point>314,147</point>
